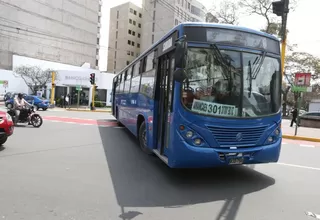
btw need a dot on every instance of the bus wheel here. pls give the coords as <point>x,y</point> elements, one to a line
<point>143,139</point>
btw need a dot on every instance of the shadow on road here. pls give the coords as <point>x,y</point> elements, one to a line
<point>140,180</point>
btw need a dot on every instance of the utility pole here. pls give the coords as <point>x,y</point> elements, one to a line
<point>281,8</point>
<point>53,75</point>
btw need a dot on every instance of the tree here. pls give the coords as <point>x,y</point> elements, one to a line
<point>264,8</point>
<point>34,76</point>
<point>228,12</point>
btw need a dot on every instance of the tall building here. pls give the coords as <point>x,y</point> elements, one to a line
<point>63,31</point>
<point>124,36</point>
<point>160,16</point>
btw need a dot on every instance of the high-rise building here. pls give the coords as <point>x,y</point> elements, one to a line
<point>160,16</point>
<point>124,36</point>
<point>63,31</point>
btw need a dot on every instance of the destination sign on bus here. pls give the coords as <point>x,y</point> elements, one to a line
<point>211,108</point>
<point>234,37</point>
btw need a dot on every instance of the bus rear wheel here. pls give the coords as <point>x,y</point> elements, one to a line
<point>143,139</point>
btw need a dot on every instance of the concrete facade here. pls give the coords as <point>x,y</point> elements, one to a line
<point>124,36</point>
<point>160,16</point>
<point>64,31</point>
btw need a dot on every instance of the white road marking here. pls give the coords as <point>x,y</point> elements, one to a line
<point>70,122</point>
<point>307,145</point>
<point>299,166</point>
<point>284,143</point>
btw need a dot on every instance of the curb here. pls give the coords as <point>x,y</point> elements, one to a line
<point>82,110</point>
<point>301,138</point>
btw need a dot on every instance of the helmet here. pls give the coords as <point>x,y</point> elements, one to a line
<point>20,96</point>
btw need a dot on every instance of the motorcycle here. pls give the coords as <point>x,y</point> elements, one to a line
<point>27,115</point>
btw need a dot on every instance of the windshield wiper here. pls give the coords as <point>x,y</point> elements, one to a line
<point>250,78</point>
<point>257,70</point>
<point>221,59</point>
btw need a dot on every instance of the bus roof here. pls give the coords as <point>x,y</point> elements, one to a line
<point>199,24</point>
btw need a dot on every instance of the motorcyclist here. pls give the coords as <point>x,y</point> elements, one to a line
<point>19,103</point>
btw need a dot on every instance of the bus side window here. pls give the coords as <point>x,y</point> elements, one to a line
<point>124,80</point>
<point>128,81</point>
<point>135,82</point>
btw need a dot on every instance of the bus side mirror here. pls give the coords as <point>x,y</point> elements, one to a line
<point>180,53</point>
<point>179,75</point>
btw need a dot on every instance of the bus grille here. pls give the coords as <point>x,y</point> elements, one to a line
<point>237,137</point>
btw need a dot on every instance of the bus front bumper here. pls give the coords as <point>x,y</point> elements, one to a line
<point>196,157</point>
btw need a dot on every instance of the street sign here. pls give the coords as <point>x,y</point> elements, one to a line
<point>298,89</point>
<point>78,88</point>
<point>302,79</point>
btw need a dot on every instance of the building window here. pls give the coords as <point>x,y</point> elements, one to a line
<point>116,45</point>
<point>139,25</point>
<point>135,12</point>
<point>129,31</point>
<point>176,21</point>
<point>154,3</point>
<point>117,14</point>
<point>129,42</point>
<point>152,39</point>
<point>153,27</point>
<point>128,52</point>
<point>97,62</point>
<point>137,54</point>
<point>116,34</point>
<point>117,24</point>
<point>132,43</point>
<point>134,22</point>
<point>189,6</point>
<point>179,2</point>
<point>115,64</point>
<point>133,33</point>
<point>154,15</point>
<point>131,10</point>
<point>138,45</point>
<point>140,15</point>
<point>139,35</point>
<point>130,21</point>
<point>115,54</point>
<point>185,3</point>
<point>177,10</point>
<point>132,53</point>
<point>182,3</point>
<point>128,62</point>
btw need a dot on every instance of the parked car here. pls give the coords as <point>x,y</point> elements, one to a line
<point>6,127</point>
<point>39,102</point>
<point>311,115</point>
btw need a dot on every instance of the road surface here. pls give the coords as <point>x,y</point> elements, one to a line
<point>82,166</point>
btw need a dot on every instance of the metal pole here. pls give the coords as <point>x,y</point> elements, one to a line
<point>284,34</point>
<point>78,100</point>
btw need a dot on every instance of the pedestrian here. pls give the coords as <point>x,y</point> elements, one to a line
<point>294,116</point>
<point>67,101</point>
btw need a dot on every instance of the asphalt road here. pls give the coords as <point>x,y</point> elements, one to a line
<point>72,168</point>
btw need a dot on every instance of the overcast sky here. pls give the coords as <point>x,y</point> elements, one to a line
<point>302,32</point>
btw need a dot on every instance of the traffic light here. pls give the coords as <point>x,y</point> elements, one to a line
<point>92,78</point>
<point>280,7</point>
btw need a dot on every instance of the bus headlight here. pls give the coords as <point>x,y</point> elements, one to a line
<point>270,139</point>
<point>197,141</point>
<point>277,132</point>
<point>189,134</point>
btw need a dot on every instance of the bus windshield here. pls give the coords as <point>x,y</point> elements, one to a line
<point>231,84</point>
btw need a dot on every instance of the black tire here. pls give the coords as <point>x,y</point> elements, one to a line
<point>44,109</point>
<point>143,139</point>
<point>3,140</point>
<point>37,108</point>
<point>36,120</point>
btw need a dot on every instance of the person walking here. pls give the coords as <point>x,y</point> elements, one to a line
<point>294,116</point>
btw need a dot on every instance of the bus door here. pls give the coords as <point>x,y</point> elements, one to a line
<point>164,96</point>
<point>113,97</point>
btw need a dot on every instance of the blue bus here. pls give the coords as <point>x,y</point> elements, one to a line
<point>204,95</point>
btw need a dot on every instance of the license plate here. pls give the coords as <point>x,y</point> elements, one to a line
<point>234,161</point>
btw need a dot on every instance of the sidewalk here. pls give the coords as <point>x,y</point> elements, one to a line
<point>306,134</point>
<point>84,109</point>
